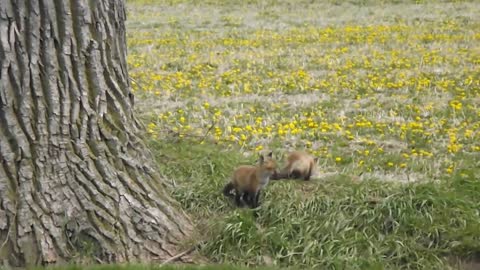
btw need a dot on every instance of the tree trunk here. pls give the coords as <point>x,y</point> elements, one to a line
<point>74,174</point>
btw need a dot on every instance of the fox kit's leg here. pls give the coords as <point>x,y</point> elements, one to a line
<point>257,199</point>
<point>254,199</point>
<point>310,170</point>
<point>295,174</point>
<point>249,198</point>
<point>227,190</point>
<point>238,198</point>
<point>246,198</point>
<point>309,173</point>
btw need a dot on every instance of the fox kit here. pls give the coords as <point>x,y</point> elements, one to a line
<point>299,165</point>
<point>248,181</point>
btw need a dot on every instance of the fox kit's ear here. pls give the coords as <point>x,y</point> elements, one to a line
<point>270,154</point>
<point>315,159</point>
<point>261,159</point>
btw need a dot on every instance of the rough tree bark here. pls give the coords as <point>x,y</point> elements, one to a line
<point>74,174</point>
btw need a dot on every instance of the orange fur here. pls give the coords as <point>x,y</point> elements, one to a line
<point>249,180</point>
<point>300,165</point>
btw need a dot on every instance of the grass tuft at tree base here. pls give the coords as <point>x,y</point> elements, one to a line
<point>148,267</point>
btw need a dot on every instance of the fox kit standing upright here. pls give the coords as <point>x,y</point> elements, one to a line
<point>299,166</point>
<point>248,181</point>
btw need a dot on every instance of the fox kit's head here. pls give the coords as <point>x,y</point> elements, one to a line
<point>268,166</point>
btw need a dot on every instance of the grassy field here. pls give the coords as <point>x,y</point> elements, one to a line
<point>150,267</point>
<point>385,93</point>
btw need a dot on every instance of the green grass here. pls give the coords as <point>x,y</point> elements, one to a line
<point>332,223</point>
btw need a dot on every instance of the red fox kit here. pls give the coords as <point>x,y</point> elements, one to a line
<point>299,166</point>
<point>248,181</point>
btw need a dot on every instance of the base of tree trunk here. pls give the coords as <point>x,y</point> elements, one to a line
<point>75,178</point>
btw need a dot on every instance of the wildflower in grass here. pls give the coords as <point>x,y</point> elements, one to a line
<point>218,131</point>
<point>151,127</point>
<point>453,146</point>
<point>468,133</point>
<point>424,153</point>
<point>236,129</point>
<point>456,105</point>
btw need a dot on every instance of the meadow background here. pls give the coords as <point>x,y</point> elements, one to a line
<point>385,93</point>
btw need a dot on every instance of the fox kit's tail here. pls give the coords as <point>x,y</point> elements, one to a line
<point>227,190</point>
